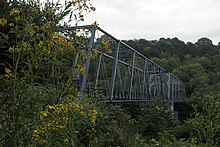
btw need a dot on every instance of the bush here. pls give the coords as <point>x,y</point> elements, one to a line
<point>154,119</point>
<point>69,123</point>
<point>203,126</point>
<point>38,70</point>
<point>115,127</point>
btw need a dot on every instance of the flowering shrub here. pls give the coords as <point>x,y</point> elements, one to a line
<point>66,123</point>
<point>38,74</point>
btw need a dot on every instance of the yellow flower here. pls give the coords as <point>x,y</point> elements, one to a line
<point>17,18</point>
<point>40,44</point>
<point>11,24</point>
<point>24,44</point>
<point>66,141</point>
<point>31,31</point>
<point>93,115</point>
<point>46,26</point>
<point>43,114</point>
<point>51,107</point>
<point>35,134</point>
<point>93,120</point>
<point>7,73</point>
<point>82,113</point>
<point>194,140</point>
<point>3,21</point>
<point>61,126</point>
<point>14,11</point>
<point>106,43</point>
<point>78,107</point>
<point>93,111</point>
<point>72,104</point>
<point>94,54</point>
<point>81,68</point>
<point>56,35</point>
<point>12,49</point>
<point>83,53</point>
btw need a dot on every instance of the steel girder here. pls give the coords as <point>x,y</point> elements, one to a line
<point>124,74</point>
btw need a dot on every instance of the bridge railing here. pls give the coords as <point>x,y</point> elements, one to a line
<point>121,74</point>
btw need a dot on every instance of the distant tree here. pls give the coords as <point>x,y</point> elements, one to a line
<point>144,42</point>
<point>205,62</point>
<point>204,45</point>
<point>169,64</point>
<point>165,45</point>
<point>204,41</point>
<point>180,47</point>
<point>150,52</point>
<point>193,75</point>
<point>192,49</point>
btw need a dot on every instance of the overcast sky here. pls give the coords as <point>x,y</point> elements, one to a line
<point>187,20</point>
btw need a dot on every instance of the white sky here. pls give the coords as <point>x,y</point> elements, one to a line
<point>188,20</point>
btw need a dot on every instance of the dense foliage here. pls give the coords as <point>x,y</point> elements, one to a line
<point>198,65</point>
<point>40,105</point>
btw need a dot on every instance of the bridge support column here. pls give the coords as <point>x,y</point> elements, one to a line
<point>132,75</point>
<point>91,42</point>
<point>168,87</point>
<point>98,71</point>
<point>144,79</point>
<point>114,72</point>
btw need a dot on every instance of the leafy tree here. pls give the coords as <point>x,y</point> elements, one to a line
<point>154,119</point>
<point>169,63</point>
<point>193,75</point>
<point>150,52</point>
<point>205,46</point>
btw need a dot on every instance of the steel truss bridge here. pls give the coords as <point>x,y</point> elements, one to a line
<point>122,74</point>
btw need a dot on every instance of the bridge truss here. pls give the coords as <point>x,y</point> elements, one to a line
<point>123,74</point>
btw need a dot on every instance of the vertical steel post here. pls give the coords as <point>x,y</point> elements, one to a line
<point>120,82</point>
<point>178,90</point>
<point>115,64</point>
<point>139,85</point>
<point>184,91</point>
<point>132,75</point>
<point>182,98</point>
<point>144,78</point>
<point>155,82</point>
<point>172,88</point>
<point>148,79</point>
<point>168,87</point>
<point>161,85</point>
<point>91,42</point>
<point>106,77</point>
<point>169,90</point>
<point>182,87</point>
<point>175,82</point>
<point>98,71</point>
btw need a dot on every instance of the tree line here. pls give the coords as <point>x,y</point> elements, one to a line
<point>197,64</point>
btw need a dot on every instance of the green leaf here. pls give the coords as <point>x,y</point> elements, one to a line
<point>68,6</point>
<point>65,13</point>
